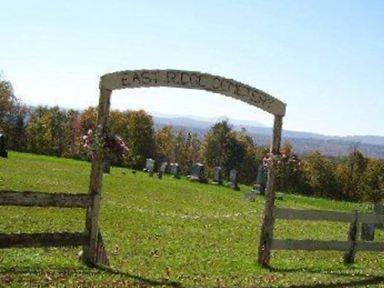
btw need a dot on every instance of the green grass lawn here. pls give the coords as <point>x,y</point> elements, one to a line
<point>171,233</point>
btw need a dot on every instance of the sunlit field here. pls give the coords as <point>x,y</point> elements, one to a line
<point>169,232</point>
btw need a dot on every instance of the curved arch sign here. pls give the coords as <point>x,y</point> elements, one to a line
<point>188,80</point>
<point>193,80</point>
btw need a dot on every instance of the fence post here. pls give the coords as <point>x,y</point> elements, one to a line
<point>266,233</point>
<point>92,217</point>
<point>349,256</point>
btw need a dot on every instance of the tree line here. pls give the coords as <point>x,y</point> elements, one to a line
<point>60,132</point>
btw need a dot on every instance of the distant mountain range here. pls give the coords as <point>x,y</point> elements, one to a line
<point>303,142</point>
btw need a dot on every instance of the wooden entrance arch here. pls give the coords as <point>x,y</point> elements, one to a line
<point>189,80</point>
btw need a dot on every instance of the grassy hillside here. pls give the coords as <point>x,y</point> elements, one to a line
<point>169,233</point>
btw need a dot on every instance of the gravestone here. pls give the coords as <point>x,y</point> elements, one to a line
<point>367,232</point>
<point>378,209</point>
<point>262,177</point>
<point>149,166</point>
<point>3,146</point>
<point>163,168</point>
<point>260,185</point>
<point>175,170</point>
<point>107,164</point>
<point>197,173</point>
<point>218,176</point>
<point>233,179</point>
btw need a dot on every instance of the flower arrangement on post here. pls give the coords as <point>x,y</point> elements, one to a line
<point>113,145</point>
<point>288,170</point>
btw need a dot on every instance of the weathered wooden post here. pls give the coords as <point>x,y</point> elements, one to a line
<point>349,256</point>
<point>92,217</point>
<point>266,234</point>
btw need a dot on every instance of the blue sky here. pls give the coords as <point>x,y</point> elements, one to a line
<point>325,59</point>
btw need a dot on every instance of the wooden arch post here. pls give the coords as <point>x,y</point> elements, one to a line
<point>177,79</point>
<point>266,233</point>
<point>92,217</point>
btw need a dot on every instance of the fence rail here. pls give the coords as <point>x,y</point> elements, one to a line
<point>24,240</point>
<point>43,199</point>
<point>321,215</point>
<point>349,247</point>
<point>290,244</point>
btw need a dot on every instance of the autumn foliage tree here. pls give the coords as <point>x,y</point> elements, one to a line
<point>289,173</point>
<point>88,120</point>
<point>38,131</point>
<point>17,127</point>
<point>221,147</point>
<point>350,174</point>
<point>12,116</point>
<point>57,121</point>
<point>250,161</point>
<point>8,102</point>
<point>186,152</point>
<point>71,130</point>
<point>371,186</point>
<point>179,146</point>
<point>141,137</point>
<point>165,144</point>
<point>321,176</point>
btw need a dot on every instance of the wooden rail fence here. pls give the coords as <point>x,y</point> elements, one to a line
<point>43,199</point>
<point>351,246</point>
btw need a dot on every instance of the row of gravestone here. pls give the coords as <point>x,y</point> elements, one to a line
<point>150,168</point>
<point>197,173</point>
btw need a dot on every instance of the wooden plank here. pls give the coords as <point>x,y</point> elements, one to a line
<point>321,215</point>
<point>266,233</point>
<point>289,244</point>
<point>370,246</point>
<point>371,218</point>
<point>193,80</point>
<point>43,199</point>
<point>23,240</point>
<point>349,255</point>
<point>314,215</point>
<point>95,186</point>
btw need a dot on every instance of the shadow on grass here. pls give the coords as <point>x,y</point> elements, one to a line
<point>368,280</point>
<point>89,275</point>
<point>139,280</point>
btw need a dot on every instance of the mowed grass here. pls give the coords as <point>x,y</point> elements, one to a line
<point>171,233</point>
